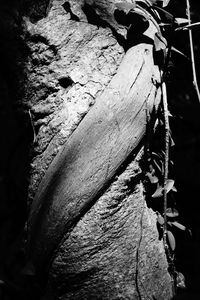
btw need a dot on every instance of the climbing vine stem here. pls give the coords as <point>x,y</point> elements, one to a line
<point>166,160</point>
<point>192,52</point>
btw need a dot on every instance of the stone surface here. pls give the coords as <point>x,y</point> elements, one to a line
<point>68,68</point>
<point>114,251</point>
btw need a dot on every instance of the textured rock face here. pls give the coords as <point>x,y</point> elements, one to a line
<point>113,251</point>
<point>70,64</point>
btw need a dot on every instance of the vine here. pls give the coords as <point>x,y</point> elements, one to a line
<point>159,163</point>
<point>166,160</point>
<point>192,49</point>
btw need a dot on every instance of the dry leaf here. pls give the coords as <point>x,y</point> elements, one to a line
<point>160,189</point>
<point>178,225</point>
<point>179,52</point>
<point>172,212</point>
<point>180,280</point>
<point>158,193</point>
<point>181,21</point>
<point>165,2</point>
<point>169,185</point>
<point>160,219</point>
<point>152,178</point>
<point>171,240</point>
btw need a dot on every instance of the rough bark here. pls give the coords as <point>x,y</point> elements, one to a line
<point>85,92</point>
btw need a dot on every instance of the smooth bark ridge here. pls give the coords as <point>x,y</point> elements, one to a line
<point>114,251</point>
<point>101,143</point>
<point>89,229</point>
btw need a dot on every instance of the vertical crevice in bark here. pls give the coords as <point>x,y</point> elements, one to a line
<point>137,279</point>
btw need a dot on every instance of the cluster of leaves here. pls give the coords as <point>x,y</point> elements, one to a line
<point>153,11</point>
<point>155,177</point>
<point>162,19</point>
<point>168,220</point>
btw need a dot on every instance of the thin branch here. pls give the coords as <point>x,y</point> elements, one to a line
<point>192,52</point>
<point>166,162</point>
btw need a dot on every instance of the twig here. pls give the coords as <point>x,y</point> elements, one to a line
<point>166,162</point>
<point>192,52</point>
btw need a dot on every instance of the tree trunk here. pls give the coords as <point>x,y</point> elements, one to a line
<point>90,92</point>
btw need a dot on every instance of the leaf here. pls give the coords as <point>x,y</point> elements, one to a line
<point>165,2</point>
<point>181,21</point>
<point>152,178</point>
<point>169,17</point>
<point>179,52</point>
<point>158,161</point>
<point>158,193</point>
<point>160,42</point>
<point>125,6</point>
<point>155,124</point>
<point>180,280</point>
<point>169,185</point>
<point>160,219</point>
<point>178,225</point>
<point>165,24</point>
<point>157,165</point>
<point>190,26</point>
<point>172,212</point>
<point>169,114</point>
<point>162,153</point>
<point>171,240</point>
<point>174,189</point>
<point>156,154</point>
<point>172,142</point>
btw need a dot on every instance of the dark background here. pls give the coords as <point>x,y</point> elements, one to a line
<point>16,136</point>
<point>185,107</point>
